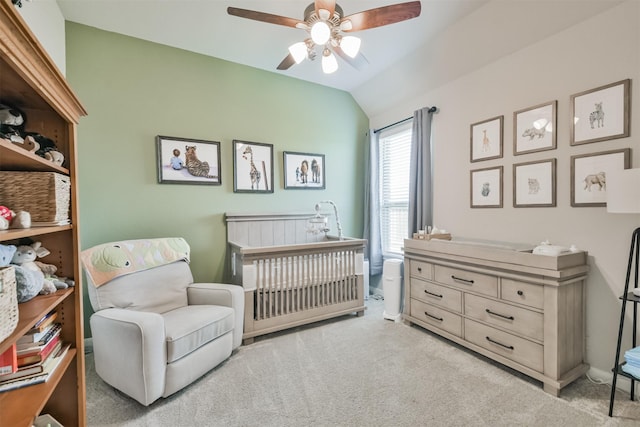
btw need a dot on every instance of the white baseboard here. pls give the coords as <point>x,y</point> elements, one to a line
<point>622,383</point>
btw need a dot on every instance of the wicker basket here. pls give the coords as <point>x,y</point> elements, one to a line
<point>45,195</point>
<point>8,302</point>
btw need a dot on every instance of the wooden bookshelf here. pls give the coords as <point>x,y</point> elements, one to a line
<point>31,82</point>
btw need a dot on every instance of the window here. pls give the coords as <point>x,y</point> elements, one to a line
<point>395,151</point>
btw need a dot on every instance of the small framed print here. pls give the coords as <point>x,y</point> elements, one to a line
<point>187,161</point>
<point>304,171</point>
<point>252,167</point>
<point>486,187</point>
<point>534,184</point>
<point>534,128</point>
<point>600,114</point>
<point>589,175</point>
<point>486,139</point>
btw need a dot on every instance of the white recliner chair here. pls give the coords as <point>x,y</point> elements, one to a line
<point>154,330</point>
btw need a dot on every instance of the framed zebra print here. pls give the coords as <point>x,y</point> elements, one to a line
<point>252,167</point>
<point>188,161</point>
<point>601,114</point>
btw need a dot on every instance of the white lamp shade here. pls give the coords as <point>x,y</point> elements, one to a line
<point>350,45</point>
<point>298,51</point>
<point>623,191</point>
<point>329,63</point>
<point>320,33</point>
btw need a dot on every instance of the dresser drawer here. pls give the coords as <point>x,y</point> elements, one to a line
<point>435,316</point>
<point>467,280</point>
<point>421,269</point>
<point>516,319</point>
<point>510,346</point>
<point>523,293</point>
<point>436,295</point>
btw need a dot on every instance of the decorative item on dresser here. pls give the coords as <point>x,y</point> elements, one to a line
<point>623,197</point>
<point>31,82</point>
<point>523,310</point>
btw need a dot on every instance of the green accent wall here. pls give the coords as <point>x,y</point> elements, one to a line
<point>134,90</point>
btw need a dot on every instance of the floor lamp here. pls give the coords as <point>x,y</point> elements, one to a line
<point>623,196</point>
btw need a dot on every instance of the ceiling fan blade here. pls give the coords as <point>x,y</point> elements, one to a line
<point>329,5</point>
<point>359,62</point>
<point>383,16</point>
<point>286,63</point>
<point>264,17</point>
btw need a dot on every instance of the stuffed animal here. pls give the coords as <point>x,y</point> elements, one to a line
<point>6,254</point>
<point>28,283</point>
<point>25,257</point>
<point>21,220</point>
<point>28,143</point>
<point>6,215</point>
<point>55,157</point>
<point>49,271</point>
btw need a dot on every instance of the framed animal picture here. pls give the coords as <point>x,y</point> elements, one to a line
<point>252,167</point>
<point>188,161</point>
<point>589,175</point>
<point>600,114</point>
<point>304,171</point>
<point>486,187</point>
<point>534,184</point>
<point>534,128</point>
<point>486,139</point>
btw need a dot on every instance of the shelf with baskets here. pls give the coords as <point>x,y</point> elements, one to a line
<point>31,83</point>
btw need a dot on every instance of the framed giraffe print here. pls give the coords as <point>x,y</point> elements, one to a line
<point>486,139</point>
<point>188,161</point>
<point>303,171</point>
<point>600,114</point>
<point>252,167</point>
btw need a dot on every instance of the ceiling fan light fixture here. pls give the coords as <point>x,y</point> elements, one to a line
<point>298,51</point>
<point>346,25</point>
<point>350,45</point>
<point>320,32</point>
<point>329,62</point>
<point>324,14</point>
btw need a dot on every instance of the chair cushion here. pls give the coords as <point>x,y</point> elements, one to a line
<point>158,289</point>
<point>188,328</point>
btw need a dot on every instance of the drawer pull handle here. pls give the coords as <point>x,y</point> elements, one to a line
<point>459,279</point>
<point>439,319</point>
<point>520,293</point>
<point>419,269</point>
<point>432,294</point>
<point>508,347</point>
<point>499,315</point>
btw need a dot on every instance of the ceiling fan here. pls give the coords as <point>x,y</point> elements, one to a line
<point>325,23</point>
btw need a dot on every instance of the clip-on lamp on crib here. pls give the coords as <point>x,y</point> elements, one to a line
<point>623,196</point>
<point>320,223</point>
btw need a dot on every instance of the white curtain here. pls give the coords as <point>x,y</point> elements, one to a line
<point>372,205</point>
<point>420,185</point>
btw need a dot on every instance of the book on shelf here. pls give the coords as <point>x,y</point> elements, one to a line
<point>35,368</point>
<point>38,378</point>
<point>33,347</point>
<point>39,356</point>
<point>45,321</point>
<point>9,361</point>
<point>36,337</point>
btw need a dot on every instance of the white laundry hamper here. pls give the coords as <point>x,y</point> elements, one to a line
<point>392,288</point>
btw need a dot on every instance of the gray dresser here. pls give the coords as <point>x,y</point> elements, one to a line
<point>521,309</point>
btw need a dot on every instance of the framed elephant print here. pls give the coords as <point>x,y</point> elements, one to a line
<point>252,167</point>
<point>304,171</point>
<point>589,175</point>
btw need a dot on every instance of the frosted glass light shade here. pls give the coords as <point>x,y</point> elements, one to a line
<point>329,62</point>
<point>350,45</point>
<point>298,51</point>
<point>623,191</point>
<point>320,33</point>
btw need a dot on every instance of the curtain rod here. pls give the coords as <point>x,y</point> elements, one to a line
<point>431,110</point>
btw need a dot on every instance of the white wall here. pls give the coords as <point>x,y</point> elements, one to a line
<point>47,23</point>
<point>598,51</point>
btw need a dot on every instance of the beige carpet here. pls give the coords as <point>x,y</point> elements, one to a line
<point>361,371</point>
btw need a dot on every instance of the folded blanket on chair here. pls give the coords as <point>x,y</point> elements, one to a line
<point>105,262</point>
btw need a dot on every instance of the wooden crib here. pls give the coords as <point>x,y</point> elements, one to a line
<point>292,277</point>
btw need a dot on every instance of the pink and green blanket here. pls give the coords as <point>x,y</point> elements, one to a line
<point>105,262</point>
